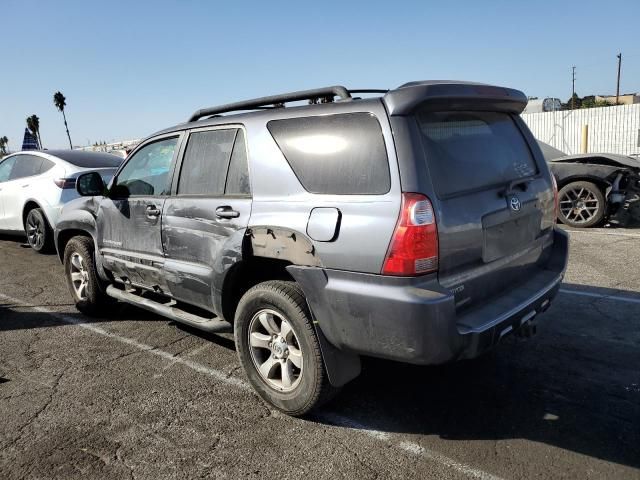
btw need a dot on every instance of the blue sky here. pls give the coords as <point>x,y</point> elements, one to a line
<point>129,68</point>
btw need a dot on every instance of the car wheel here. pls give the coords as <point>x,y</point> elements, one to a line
<point>582,204</point>
<point>36,227</point>
<point>82,279</point>
<point>279,349</point>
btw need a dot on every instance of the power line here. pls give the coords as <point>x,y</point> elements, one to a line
<point>573,86</point>
<point>618,84</point>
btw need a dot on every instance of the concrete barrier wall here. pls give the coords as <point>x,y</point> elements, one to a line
<point>611,129</point>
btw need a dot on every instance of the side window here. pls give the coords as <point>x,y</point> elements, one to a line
<point>205,163</point>
<point>46,165</point>
<point>238,176</point>
<point>340,154</point>
<point>147,171</point>
<point>5,168</point>
<point>26,166</point>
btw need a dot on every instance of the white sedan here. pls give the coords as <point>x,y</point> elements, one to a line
<point>34,185</point>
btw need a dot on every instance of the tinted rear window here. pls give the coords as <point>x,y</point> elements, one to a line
<point>472,150</point>
<point>96,160</point>
<point>335,154</point>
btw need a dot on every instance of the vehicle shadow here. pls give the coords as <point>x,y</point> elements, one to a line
<point>25,316</point>
<point>21,239</point>
<point>575,386</point>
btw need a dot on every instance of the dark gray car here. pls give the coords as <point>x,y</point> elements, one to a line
<point>417,226</point>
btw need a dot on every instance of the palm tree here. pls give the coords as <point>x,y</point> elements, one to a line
<point>60,102</point>
<point>4,141</point>
<point>33,124</point>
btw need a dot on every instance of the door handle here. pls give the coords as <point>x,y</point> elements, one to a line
<point>152,211</point>
<point>227,212</point>
<point>25,186</point>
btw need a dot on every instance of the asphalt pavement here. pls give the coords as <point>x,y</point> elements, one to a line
<point>133,395</point>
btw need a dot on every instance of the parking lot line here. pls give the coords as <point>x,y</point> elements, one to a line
<point>617,298</point>
<point>589,232</point>
<point>337,420</point>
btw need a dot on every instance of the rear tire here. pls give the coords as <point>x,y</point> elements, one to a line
<point>82,279</point>
<point>582,205</point>
<point>279,349</point>
<point>38,231</point>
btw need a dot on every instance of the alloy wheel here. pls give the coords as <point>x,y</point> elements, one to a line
<point>79,276</point>
<point>579,205</point>
<point>275,350</point>
<point>35,231</point>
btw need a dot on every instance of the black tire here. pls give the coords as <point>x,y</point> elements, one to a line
<point>38,231</point>
<point>572,198</point>
<point>312,388</point>
<point>94,299</point>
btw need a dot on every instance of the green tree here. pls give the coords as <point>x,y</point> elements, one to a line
<point>33,124</point>
<point>60,102</point>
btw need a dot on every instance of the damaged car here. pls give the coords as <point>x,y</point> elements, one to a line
<point>595,188</point>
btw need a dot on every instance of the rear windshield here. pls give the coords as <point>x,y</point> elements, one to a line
<point>473,150</point>
<point>91,159</point>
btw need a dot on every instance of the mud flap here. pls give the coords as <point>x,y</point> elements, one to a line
<point>342,367</point>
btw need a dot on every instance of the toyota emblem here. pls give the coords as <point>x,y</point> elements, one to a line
<point>515,204</point>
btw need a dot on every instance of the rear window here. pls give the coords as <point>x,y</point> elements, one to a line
<point>335,154</point>
<point>93,160</point>
<point>472,150</point>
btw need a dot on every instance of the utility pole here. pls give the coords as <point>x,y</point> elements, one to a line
<point>618,85</point>
<point>573,86</point>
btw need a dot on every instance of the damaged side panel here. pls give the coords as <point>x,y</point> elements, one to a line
<point>283,244</point>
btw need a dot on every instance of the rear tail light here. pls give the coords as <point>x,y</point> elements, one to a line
<point>414,246</point>
<point>556,200</point>
<point>65,182</point>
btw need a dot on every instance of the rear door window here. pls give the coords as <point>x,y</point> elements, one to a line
<point>205,164</point>
<point>473,150</point>
<point>341,154</point>
<point>26,166</point>
<point>238,176</point>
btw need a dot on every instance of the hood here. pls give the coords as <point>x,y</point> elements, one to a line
<point>554,155</point>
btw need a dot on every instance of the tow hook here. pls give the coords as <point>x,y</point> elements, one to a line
<point>528,325</point>
<point>528,329</point>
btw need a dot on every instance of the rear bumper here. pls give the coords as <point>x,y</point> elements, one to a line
<point>414,320</point>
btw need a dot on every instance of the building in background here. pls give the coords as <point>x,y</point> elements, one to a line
<point>121,148</point>
<point>29,141</point>
<point>625,99</point>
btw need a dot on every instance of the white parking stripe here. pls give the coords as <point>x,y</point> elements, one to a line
<point>589,232</point>
<point>337,420</point>
<point>617,298</point>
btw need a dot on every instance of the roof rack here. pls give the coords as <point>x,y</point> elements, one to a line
<point>315,95</point>
<point>369,90</point>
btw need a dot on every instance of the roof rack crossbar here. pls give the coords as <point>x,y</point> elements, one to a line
<point>257,103</point>
<point>369,90</point>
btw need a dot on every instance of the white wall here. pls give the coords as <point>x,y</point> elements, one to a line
<point>611,129</point>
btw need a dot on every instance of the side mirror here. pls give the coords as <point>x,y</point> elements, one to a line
<point>90,184</point>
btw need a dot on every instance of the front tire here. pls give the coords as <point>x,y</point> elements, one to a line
<point>82,279</point>
<point>582,205</point>
<point>279,350</point>
<point>38,231</point>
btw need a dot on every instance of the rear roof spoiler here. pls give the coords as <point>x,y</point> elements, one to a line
<point>453,95</point>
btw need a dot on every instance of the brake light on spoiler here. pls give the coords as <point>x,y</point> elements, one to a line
<point>414,245</point>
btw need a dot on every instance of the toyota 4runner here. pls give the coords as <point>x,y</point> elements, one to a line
<point>417,225</point>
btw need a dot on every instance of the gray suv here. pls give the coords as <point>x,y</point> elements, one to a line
<point>417,225</point>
